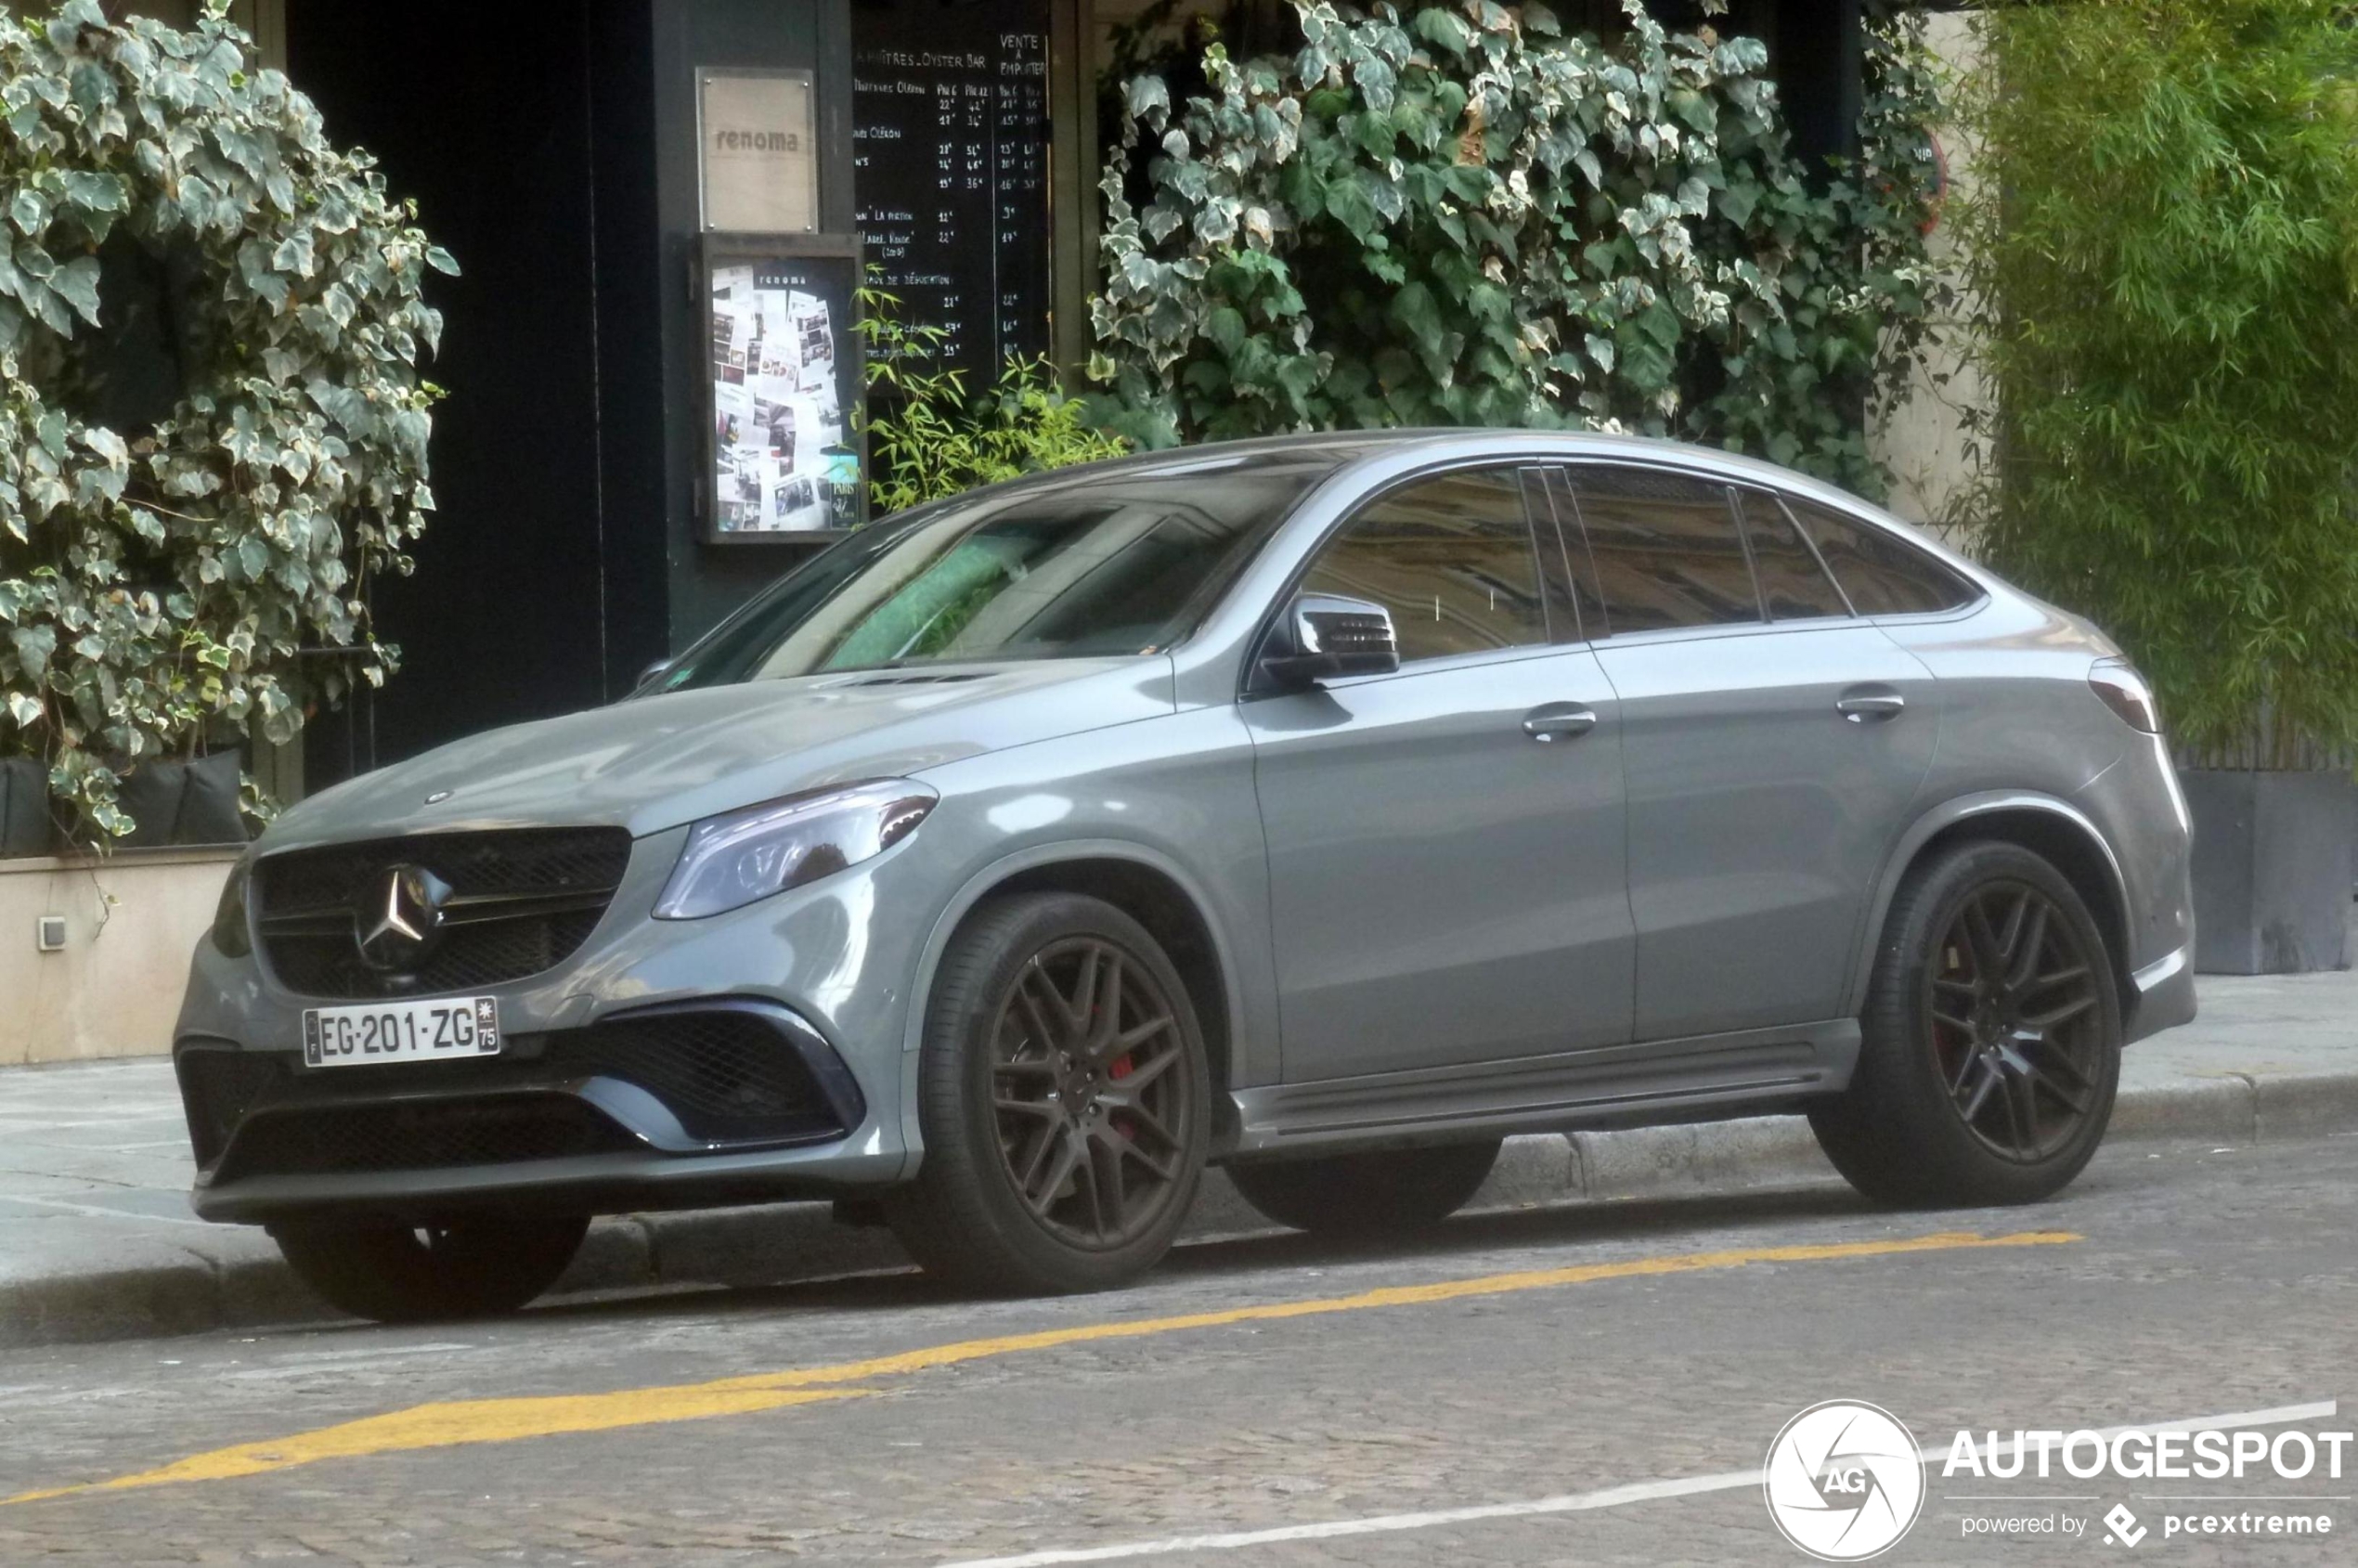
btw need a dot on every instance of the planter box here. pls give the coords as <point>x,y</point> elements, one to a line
<point>2274,857</point>
<point>132,920</point>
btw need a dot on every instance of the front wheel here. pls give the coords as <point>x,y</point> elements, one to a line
<point>1991,1043</point>
<point>1374,1194</point>
<point>1063,1098</point>
<point>402,1274</point>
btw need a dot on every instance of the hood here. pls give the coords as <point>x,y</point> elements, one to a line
<point>656,763</point>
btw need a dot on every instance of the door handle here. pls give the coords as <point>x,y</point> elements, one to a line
<point>1559,722</point>
<point>1870,704</point>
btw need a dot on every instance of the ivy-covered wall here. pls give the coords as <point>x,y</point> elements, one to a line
<point>1467,213</point>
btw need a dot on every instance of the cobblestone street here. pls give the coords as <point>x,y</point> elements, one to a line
<point>1289,1390</point>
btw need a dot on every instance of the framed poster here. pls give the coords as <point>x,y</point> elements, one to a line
<point>758,153</point>
<point>786,456</point>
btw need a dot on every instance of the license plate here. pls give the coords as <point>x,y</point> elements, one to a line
<point>401,1031</point>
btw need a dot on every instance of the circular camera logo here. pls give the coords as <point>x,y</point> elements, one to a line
<point>1843,1481</point>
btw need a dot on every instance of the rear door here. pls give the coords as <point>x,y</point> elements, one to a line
<point>1445,886</point>
<point>1772,744</point>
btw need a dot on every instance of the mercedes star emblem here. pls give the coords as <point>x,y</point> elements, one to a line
<point>399,925</point>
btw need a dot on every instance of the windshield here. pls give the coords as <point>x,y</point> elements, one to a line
<point>1119,565</point>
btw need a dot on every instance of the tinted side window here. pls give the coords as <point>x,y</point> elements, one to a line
<point>1450,557</point>
<point>1792,585</point>
<point>1665,549</point>
<point>1883,576</point>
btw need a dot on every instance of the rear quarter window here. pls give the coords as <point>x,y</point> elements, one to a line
<point>1883,575</point>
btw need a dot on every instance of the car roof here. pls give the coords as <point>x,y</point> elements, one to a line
<point>1339,452</point>
<point>1345,448</point>
<point>1342,451</point>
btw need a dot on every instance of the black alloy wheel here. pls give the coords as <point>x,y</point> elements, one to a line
<point>1989,1046</point>
<point>1064,1097</point>
<point>1086,1088</point>
<point>2016,1021</point>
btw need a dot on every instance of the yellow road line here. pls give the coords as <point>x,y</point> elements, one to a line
<point>455,1423</point>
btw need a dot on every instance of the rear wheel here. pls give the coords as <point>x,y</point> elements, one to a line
<point>1063,1098</point>
<point>465,1268</point>
<point>1373,1194</point>
<point>1991,1039</point>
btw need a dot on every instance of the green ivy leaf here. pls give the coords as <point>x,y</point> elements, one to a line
<point>1446,28</point>
<point>1349,203</point>
<point>1226,326</point>
<point>34,645</point>
<point>77,284</point>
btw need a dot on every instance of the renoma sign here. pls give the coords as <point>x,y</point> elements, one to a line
<point>1845,1481</point>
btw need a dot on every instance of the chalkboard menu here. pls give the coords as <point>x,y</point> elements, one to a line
<point>950,126</point>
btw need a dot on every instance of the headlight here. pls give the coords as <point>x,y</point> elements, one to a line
<point>232,932</point>
<point>732,861</point>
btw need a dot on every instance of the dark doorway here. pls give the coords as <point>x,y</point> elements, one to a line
<point>482,114</point>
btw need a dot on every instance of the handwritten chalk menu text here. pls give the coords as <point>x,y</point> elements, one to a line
<point>950,126</point>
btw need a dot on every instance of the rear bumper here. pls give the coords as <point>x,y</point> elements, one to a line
<point>2163,995</point>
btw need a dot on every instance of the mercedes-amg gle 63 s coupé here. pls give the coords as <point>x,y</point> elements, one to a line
<point>1326,808</point>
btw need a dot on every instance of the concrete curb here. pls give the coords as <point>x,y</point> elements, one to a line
<point>176,1291</point>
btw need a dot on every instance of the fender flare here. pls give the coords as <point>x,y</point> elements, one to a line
<point>1940,819</point>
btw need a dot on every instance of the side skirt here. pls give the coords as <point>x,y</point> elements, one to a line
<point>1701,1078</point>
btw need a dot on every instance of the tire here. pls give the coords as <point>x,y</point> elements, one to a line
<point>1987,1067</point>
<point>1063,1138</point>
<point>467,1268</point>
<point>1385,1192</point>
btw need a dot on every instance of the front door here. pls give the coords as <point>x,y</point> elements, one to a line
<point>1772,744</point>
<point>1445,888</point>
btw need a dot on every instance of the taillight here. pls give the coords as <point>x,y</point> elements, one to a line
<point>2126,693</point>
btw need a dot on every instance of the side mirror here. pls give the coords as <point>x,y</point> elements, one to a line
<point>1326,637</point>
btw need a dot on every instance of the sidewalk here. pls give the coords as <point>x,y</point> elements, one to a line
<point>97,1241</point>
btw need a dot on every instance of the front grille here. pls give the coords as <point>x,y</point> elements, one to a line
<point>728,1077</point>
<point>521,900</point>
<point>428,1135</point>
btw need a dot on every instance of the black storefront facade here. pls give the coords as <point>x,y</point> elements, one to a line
<point>566,154</point>
<point>561,154</point>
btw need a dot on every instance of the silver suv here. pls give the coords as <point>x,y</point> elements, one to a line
<point>1325,808</point>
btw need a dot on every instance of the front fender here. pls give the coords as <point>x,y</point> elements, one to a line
<point>1172,794</point>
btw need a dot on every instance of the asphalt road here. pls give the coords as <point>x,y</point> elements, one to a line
<point>1588,1385</point>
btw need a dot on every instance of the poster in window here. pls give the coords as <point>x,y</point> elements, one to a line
<point>785,377</point>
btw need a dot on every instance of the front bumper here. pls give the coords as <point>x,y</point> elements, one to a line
<point>647,1108</point>
<point>751,1056</point>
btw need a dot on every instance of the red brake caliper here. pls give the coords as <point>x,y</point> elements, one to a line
<point>1121,1069</point>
